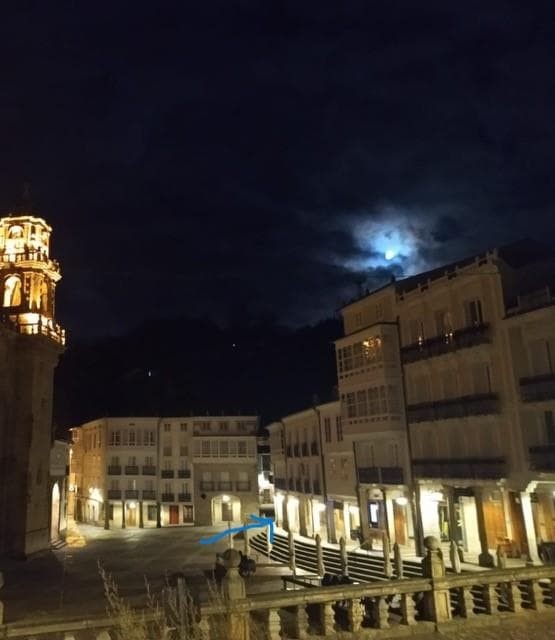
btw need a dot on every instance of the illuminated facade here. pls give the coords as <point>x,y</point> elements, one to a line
<point>30,344</point>
<point>151,471</point>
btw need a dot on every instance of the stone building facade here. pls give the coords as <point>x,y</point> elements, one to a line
<point>162,471</point>
<point>30,345</point>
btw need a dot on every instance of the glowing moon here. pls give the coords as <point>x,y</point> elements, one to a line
<point>390,254</point>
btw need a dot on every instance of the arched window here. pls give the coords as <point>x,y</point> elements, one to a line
<point>12,292</point>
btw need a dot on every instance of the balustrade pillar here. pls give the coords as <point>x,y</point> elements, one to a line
<point>327,619</point>
<point>515,597</point>
<point>501,557</point>
<point>437,603</point>
<point>301,623</point>
<point>274,625</point>
<point>233,588</point>
<point>535,593</point>
<point>407,609</point>
<point>355,615</point>
<point>381,612</point>
<point>491,599</point>
<point>319,555</point>
<point>466,602</point>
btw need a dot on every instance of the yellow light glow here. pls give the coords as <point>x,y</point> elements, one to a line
<point>226,498</point>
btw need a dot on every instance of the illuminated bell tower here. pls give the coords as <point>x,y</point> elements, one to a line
<point>30,345</point>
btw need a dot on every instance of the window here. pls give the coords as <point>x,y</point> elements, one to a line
<point>94,440</point>
<point>481,377</point>
<point>243,476</point>
<point>416,331</point>
<point>168,465</point>
<point>242,426</point>
<point>167,487</point>
<point>115,438</point>
<point>242,449</point>
<point>383,402</point>
<point>224,449</point>
<point>351,405</point>
<point>379,310</point>
<point>224,426</point>
<point>474,316</point>
<point>99,438</point>
<point>205,426</point>
<point>358,319</point>
<point>167,451</point>
<point>114,485</point>
<point>149,461</point>
<point>132,440</point>
<point>183,426</point>
<point>114,461</point>
<point>205,450</point>
<point>167,427</point>
<point>188,513</point>
<point>183,450</point>
<point>549,422</point>
<point>149,485</point>
<point>225,476</point>
<point>327,429</point>
<point>362,408</point>
<point>540,356</point>
<point>394,454</point>
<point>339,429</point>
<point>151,512</point>
<point>149,438</point>
<point>132,461</point>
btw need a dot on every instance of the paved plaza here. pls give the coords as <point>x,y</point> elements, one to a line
<point>67,581</point>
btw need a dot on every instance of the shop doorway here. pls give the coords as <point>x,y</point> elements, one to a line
<point>400,523</point>
<point>55,513</point>
<point>174,514</point>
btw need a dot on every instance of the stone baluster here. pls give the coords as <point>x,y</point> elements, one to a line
<point>535,593</point>
<point>343,556</point>
<point>355,615</point>
<point>398,561</point>
<point>491,599</point>
<point>437,602</point>
<point>386,550</point>
<point>407,609</point>
<point>301,622</point>
<point>319,555</point>
<point>466,602</point>
<point>501,557</point>
<point>327,619</point>
<point>102,635</point>
<point>381,612</point>
<point>454,557</point>
<point>274,625</point>
<point>515,597</point>
<point>291,545</point>
<point>204,627</point>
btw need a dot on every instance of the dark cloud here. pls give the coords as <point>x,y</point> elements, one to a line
<point>210,157</point>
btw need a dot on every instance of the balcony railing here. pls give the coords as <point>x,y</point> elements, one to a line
<point>131,494</point>
<point>148,494</point>
<point>207,485</point>
<point>381,475</point>
<point>225,485</point>
<point>314,448</point>
<point>476,405</point>
<point>280,483</point>
<point>184,497</point>
<point>538,388</point>
<point>304,449</point>
<point>168,497</point>
<point>438,345</point>
<point>132,470</point>
<point>114,470</point>
<point>167,473</point>
<point>479,468</point>
<point>114,494</point>
<point>149,470</point>
<point>542,457</point>
<point>184,473</point>
<point>243,485</point>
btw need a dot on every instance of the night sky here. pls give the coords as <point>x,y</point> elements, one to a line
<point>243,159</point>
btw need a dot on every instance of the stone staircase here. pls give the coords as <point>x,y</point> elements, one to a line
<point>363,566</point>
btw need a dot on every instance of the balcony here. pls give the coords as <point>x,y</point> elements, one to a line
<point>476,405</point>
<point>538,388</point>
<point>184,497</point>
<point>542,457</point>
<point>225,485</point>
<point>131,470</point>
<point>296,451</point>
<point>304,449</point>
<point>114,494</point>
<point>316,487</point>
<point>167,473</point>
<point>149,470</point>
<point>471,468</point>
<point>439,345</point>
<point>381,475</point>
<point>114,470</point>
<point>168,497</point>
<point>184,473</point>
<point>280,483</point>
<point>207,485</point>
<point>148,494</point>
<point>131,494</point>
<point>314,448</point>
<point>243,485</point>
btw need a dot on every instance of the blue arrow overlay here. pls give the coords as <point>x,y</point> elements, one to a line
<point>259,521</point>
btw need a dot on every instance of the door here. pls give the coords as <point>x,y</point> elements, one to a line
<point>399,521</point>
<point>131,516</point>
<point>227,512</point>
<point>517,520</point>
<point>174,514</point>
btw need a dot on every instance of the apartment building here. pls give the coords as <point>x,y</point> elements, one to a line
<point>473,354</point>
<point>163,471</point>
<point>313,467</point>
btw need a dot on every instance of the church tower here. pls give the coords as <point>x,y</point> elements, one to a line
<point>30,345</point>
